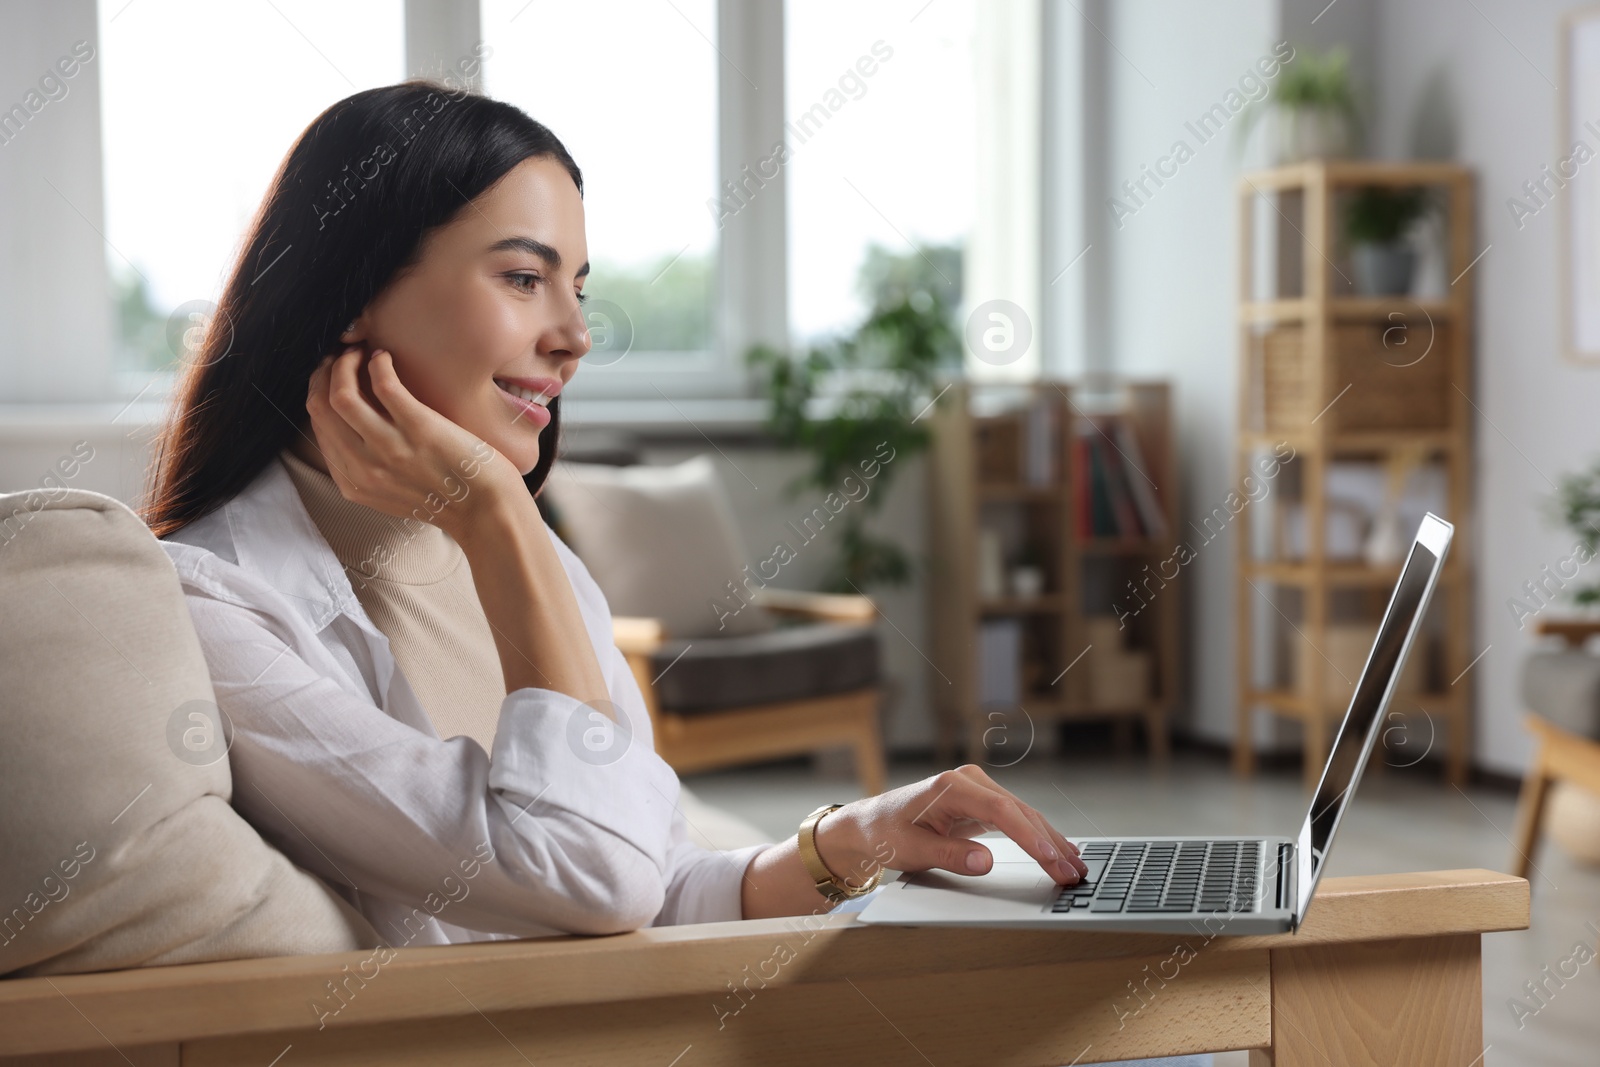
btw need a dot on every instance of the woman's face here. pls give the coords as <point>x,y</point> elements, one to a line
<point>492,304</point>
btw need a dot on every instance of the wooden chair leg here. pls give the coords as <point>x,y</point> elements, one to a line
<point>871,766</point>
<point>1244,742</point>
<point>1316,747</point>
<point>947,728</point>
<point>1458,766</point>
<point>1122,736</point>
<point>1158,737</point>
<point>1530,814</point>
<point>977,752</point>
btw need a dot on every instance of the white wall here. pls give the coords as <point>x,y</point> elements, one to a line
<point>1167,273</point>
<point>1490,73</point>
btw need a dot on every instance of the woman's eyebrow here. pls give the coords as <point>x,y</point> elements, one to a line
<point>535,248</point>
<point>530,246</point>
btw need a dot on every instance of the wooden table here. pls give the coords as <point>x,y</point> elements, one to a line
<point>1386,970</point>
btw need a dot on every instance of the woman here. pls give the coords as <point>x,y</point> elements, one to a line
<point>428,709</point>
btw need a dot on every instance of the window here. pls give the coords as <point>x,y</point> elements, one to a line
<point>199,103</point>
<point>630,87</point>
<point>881,138</point>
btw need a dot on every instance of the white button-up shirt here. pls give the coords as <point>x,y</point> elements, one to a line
<point>335,762</point>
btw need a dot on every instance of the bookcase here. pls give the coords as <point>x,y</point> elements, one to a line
<point>1054,584</point>
<point>1369,397</point>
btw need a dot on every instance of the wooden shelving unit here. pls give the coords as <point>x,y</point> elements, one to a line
<point>978,476</point>
<point>1340,377</point>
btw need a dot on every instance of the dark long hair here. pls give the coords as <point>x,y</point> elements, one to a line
<point>345,214</point>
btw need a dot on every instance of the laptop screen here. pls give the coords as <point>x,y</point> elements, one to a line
<point>1359,730</point>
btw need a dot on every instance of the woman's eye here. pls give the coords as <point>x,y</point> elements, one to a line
<point>524,281</point>
<point>582,297</point>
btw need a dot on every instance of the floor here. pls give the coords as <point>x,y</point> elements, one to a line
<point>1402,820</point>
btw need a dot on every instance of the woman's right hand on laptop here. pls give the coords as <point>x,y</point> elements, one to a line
<point>929,824</point>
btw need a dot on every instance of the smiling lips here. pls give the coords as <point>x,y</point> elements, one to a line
<point>530,397</point>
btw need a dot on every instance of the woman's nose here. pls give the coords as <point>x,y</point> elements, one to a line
<point>581,340</point>
<point>568,339</point>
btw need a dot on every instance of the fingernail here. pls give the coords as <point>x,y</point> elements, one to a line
<point>1049,850</point>
<point>975,861</point>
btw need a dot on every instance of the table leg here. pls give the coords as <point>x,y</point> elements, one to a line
<point>1417,1001</point>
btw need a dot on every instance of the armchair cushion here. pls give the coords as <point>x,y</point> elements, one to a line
<point>120,847</point>
<point>661,543</point>
<point>1564,687</point>
<point>788,663</point>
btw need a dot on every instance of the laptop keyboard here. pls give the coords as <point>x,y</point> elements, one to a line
<point>1149,877</point>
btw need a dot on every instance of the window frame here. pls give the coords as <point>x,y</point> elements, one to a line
<point>750,302</point>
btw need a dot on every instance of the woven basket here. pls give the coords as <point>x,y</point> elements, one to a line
<point>1398,379</point>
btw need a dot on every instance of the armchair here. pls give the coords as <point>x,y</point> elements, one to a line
<point>717,702</point>
<point>782,673</point>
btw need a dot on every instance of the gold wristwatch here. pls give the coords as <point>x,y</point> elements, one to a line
<point>829,884</point>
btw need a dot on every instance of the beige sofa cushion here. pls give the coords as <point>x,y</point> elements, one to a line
<point>661,542</point>
<point>120,848</point>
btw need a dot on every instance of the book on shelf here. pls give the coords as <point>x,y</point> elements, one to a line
<point>1113,495</point>
<point>1102,509</point>
<point>1121,493</point>
<point>1151,516</point>
<point>1082,496</point>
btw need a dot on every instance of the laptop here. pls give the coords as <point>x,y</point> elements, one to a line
<point>1233,885</point>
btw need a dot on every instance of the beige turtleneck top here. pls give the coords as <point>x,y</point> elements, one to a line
<point>415,584</point>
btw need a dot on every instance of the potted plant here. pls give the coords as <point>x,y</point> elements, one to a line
<point>873,385</point>
<point>1375,223</point>
<point>1315,106</point>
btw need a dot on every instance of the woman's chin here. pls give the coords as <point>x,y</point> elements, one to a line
<point>525,458</point>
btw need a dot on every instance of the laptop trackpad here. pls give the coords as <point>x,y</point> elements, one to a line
<point>1007,881</point>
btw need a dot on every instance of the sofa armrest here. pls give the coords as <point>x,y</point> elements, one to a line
<point>637,635</point>
<point>823,607</point>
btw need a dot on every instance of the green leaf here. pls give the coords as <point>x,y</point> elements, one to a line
<point>876,381</point>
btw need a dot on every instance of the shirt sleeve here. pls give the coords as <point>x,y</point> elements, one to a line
<point>706,886</point>
<point>552,837</point>
<point>702,885</point>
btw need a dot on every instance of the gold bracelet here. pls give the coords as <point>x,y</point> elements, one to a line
<point>829,884</point>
